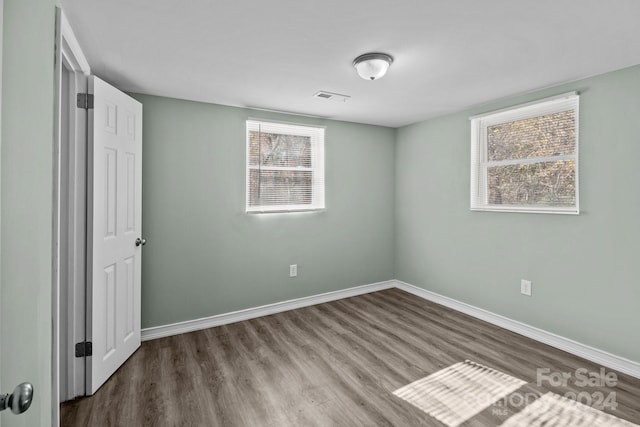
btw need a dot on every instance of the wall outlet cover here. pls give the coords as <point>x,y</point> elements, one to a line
<point>525,287</point>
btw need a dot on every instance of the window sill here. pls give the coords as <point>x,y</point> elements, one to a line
<point>528,209</point>
<point>280,211</point>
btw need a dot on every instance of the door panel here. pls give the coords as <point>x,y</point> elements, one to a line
<point>115,221</point>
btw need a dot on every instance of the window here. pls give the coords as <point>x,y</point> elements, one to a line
<point>285,167</point>
<point>525,159</point>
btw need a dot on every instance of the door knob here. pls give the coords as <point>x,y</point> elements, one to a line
<point>140,241</point>
<point>18,401</point>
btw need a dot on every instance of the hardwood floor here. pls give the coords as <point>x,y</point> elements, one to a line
<point>333,364</point>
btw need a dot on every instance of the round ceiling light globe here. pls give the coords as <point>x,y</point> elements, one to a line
<point>372,66</point>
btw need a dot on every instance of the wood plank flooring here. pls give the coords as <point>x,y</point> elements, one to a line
<point>333,364</point>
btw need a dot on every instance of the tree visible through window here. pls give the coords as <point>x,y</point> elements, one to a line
<point>525,158</point>
<point>285,167</point>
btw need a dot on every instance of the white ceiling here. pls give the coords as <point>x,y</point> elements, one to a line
<point>449,54</point>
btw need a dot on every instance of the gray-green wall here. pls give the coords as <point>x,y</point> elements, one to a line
<point>26,203</point>
<point>585,269</point>
<point>206,256</point>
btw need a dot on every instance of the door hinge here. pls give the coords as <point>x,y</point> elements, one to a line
<point>85,101</point>
<point>84,348</point>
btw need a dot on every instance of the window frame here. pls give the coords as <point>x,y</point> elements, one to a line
<point>479,191</point>
<point>317,135</point>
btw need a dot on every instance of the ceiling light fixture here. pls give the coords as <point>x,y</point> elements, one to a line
<point>372,66</point>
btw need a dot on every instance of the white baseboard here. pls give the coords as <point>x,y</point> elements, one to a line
<point>587,352</point>
<point>590,353</point>
<point>265,310</point>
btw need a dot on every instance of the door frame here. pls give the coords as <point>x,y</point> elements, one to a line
<point>69,263</point>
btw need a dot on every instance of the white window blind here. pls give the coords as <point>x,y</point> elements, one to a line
<point>525,159</point>
<point>285,167</point>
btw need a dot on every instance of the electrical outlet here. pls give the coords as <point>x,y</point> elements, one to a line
<point>525,287</point>
<point>293,270</point>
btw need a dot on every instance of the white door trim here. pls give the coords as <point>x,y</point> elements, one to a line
<point>71,48</point>
<point>70,216</point>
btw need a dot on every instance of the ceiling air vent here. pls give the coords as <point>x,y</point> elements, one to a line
<point>335,97</point>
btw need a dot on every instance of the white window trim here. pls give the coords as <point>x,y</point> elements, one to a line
<point>318,192</point>
<point>479,163</point>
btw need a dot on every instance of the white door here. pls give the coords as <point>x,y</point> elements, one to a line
<point>114,227</point>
